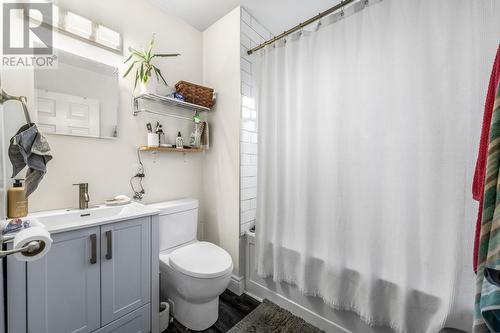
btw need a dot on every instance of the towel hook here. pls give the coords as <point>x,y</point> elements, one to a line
<point>4,97</point>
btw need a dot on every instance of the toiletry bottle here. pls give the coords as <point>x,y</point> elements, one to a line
<point>17,204</point>
<point>179,143</point>
<point>192,139</point>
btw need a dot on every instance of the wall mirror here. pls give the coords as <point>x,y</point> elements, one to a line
<point>79,97</point>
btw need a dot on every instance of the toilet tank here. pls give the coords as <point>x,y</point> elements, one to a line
<point>178,222</point>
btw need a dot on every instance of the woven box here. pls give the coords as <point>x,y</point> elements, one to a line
<point>195,94</point>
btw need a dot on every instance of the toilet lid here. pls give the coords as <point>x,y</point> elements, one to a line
<point>202,260</point>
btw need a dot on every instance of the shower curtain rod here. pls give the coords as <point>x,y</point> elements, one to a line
<point>302,25</point>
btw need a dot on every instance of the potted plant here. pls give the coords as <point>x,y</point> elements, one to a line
<point>144,69</point>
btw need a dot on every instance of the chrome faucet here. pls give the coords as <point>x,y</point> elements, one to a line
<point>83,196</point>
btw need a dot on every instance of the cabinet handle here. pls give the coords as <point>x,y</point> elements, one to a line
<point>93,247</point>
<point>109,241</point>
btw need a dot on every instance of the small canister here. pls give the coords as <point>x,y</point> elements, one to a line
<point>153,140</point>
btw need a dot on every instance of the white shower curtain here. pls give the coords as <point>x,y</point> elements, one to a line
<point>367,137</point>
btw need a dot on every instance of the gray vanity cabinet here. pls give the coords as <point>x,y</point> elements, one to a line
<point>63,288</point>
<point>95,279</point>
<point>125,268</point>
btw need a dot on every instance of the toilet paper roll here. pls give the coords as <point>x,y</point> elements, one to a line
<point>25,236</point>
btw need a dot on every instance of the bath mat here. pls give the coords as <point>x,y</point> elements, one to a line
<point>270,318</point>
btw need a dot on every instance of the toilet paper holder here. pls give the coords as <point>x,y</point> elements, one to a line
<point>32,247</point>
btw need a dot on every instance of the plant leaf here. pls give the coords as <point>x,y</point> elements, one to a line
<point>130,68</point>
<point>132,50</point>
<point>151,43</point>
<point>141,73</point>
<point>129,57</point>
<point>158,72</point>
<point>136,78</point>
<point>136,53</point>
<point>141,56</point>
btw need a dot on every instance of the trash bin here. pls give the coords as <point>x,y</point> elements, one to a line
<point>164,316</point>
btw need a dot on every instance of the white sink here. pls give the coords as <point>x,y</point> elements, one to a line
<point>70,219</point>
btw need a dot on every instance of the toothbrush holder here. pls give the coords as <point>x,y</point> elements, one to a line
<point>153,140</point>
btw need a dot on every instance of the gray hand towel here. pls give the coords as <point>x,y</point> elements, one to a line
<point>29,148</point>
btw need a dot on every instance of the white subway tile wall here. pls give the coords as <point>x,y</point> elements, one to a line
<point>246,66</point>
<point>252,34</point>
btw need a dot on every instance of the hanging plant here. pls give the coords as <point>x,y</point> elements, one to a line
<point>142,62</point>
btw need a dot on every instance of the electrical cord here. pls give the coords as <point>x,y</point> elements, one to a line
<point>138,194</point>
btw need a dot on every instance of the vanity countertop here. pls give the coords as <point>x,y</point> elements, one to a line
<point>61,220</point>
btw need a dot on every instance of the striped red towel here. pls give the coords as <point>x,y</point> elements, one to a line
<point>479,174</point>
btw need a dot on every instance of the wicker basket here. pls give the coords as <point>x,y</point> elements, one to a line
<point>196,94</point>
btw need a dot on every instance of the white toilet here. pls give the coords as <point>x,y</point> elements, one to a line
<point>193,273</point>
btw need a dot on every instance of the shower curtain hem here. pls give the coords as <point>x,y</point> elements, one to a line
<point>339,305</point>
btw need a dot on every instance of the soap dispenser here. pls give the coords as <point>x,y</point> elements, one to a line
<point>17,203</point>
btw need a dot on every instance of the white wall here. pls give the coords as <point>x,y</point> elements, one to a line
<point>221,69</point>
<point>107,165</point>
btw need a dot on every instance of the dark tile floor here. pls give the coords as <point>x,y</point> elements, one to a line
<point>232,308</point>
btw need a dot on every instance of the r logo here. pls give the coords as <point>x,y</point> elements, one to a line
<point>31,32</point>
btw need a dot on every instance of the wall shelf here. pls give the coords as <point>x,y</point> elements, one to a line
<point>176,150</point>
<point>167,101</point>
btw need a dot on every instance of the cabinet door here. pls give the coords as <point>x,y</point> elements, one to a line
<point>125,267</point>
<point>136,322</point>
<point>64,287</point>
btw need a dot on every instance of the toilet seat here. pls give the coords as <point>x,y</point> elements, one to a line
<point>201,260</point>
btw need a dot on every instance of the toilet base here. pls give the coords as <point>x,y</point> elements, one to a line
<point>195,316</point>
